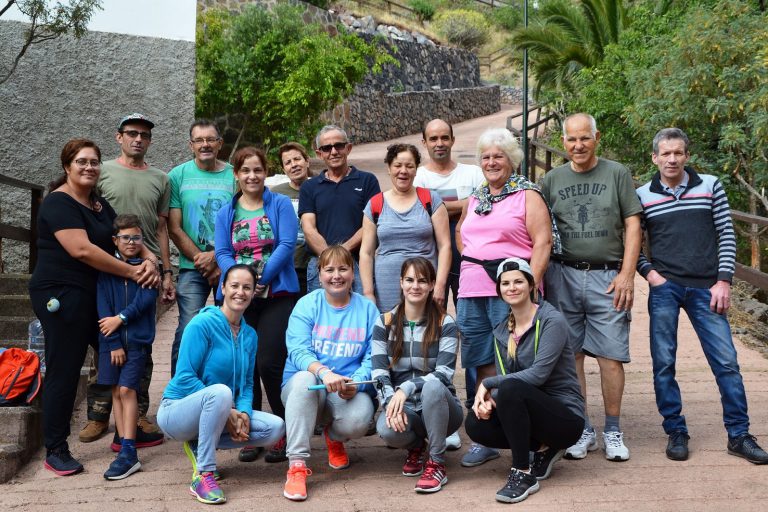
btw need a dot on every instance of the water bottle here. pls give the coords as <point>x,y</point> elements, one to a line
<point>37,342</point>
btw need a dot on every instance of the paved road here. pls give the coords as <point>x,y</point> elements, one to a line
<point>709,480</point>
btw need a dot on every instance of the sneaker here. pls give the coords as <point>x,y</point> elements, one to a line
<point>143,440</point>
<point>276,453</point>
<point>190,450</point>
<point>586,443</point>
<point>122,467</point>
<point>414,462</point>
<point>337,454</point>
<point>250,453</point>
<point>746,446</point>
<point>62,463</point>
<point>479,454</point>
<point>453,442</point>
<point>148,426</point>
<point>296,481</point>
<point>93,430</point>
<point>206,490</point>
<point>677,446</point>
<point>541,465</point>
<point>433,479</point>
<point>519,486</point>
<point>614,446</point>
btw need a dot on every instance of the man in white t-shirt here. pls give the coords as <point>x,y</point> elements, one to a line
<point>454,182</point>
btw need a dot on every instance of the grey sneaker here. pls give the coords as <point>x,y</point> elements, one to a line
<point>746,446</point>
<point>453,442</point>
<point>587,443</point>
<point>479,454</point>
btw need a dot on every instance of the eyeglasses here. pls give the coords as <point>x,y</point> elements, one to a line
<point>84,162</point>
<point>127,239</point>
<point>134,134</point>
<point>205,140</point>
<point>338,147</point>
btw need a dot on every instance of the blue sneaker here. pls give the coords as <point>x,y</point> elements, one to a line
<point>122,467</point>
<point>479,454</point>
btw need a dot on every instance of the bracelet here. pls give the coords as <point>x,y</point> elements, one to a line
<point>323,367</point>
<point>154,262</point>
<point>327,370</point>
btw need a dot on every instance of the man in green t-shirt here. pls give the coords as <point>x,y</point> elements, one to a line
<point>199,188</point>
<point>131,185</point>
<point>592,281</point>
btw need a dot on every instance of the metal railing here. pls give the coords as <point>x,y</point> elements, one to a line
<point>391,7</point>
<point>29,236</point>
<point>487,61</point>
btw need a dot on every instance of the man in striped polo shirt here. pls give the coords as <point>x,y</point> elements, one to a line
<point>693,252</point>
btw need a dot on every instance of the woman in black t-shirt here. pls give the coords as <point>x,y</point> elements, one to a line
<point>74,245</point>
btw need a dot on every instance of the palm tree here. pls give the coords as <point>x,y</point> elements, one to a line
<point>569,35</point>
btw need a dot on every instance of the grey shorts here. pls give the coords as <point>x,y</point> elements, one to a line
<point>594,326</point>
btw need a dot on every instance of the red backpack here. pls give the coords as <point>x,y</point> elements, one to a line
<point>20,379</point>
<point>377,202</point>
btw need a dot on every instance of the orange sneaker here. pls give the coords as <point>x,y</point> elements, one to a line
<point>337,454</point>
<point>296,481</point>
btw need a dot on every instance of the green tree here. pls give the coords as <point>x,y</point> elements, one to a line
<point>48,21</point>
<point>568,36</point>
<point>275,71</point>
<point>463,28</point>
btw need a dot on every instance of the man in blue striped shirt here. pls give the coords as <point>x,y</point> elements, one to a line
<point>693,252</point>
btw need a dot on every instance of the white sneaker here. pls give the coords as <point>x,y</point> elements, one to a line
<point>587,443</point>
<point>453,441</point>
<point>614,446</point>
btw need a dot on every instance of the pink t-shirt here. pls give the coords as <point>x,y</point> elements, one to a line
<point>500,234</point>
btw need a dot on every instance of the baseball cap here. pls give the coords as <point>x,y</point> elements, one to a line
<point>135,117</point>
<point>513,264</point>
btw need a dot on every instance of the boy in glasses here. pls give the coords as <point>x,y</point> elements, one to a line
<point>126,333</point>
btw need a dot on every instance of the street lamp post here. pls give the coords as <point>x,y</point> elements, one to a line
<point>526,152</point>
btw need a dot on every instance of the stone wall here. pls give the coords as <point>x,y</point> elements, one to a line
<point>382,116</point>
<point>80,88</point>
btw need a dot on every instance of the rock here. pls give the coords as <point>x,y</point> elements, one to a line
<point>357,24</point>
<point>369,24</point>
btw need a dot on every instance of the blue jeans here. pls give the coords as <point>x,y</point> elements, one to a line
<point>203,416</point>
<point>714,332</point>
<point>192,291</point>
<point>476,318</point>
<point>313,277</point>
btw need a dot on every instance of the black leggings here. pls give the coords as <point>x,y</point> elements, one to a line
<point>524,418</point>
<point>270,319</point>
<point>68,332</point>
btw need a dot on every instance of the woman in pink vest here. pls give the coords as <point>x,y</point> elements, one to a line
<point>505,217</point>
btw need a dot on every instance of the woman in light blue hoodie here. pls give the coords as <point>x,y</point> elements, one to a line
<point>207,404</point>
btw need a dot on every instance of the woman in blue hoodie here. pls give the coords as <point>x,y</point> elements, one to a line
<point>212,389</point>
<point>259,228</point>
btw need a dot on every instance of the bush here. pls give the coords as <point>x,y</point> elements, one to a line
<point>508,17</point>
<point>423,9</point>
<point>463,28</point>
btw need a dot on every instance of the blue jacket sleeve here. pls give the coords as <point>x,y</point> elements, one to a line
<point>287,229</point>
<point>225,253</point>
<point>244,399</point>
<point>298,337</point>
<point>143,301</point>
<point>191,362</point>
<point>105,308</point>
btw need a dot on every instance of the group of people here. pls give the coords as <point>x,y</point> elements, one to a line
<point>332,294</point>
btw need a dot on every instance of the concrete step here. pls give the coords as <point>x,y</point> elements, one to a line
<point>14,330</point>
<point>16,305</point>
<point>12,458</point>
<point>21,434</point>
<point>14,284</point>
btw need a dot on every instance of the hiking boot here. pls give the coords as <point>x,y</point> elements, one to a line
<point>615,449</point>
<point>433,479</point>
<point>337,454</point>
<point>148,426</point>
<point>143,440</point>
<point>249,453</point>
<point>542,463</point>
<point>453,442</point>
<point>190,450</point>
<point>296,481</point>
<point>93,430</point>
<point>745,446</point>
<point>479,454</point>
<point>61,462</point>
<point>519,486</point>
<point>276,453</point>
<point>414,462</point>
<point>206,490</point>
<point>677,446</point>
<point>586,443</point>
<point>122,467</point>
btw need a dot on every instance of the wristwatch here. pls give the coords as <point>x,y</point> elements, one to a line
<point>123,318</point>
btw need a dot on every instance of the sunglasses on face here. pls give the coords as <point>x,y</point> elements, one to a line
<point>339,146</point>
<point>134,134</point>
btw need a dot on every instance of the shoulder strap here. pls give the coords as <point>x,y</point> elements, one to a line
<point>387,318</point>
<point>377,204</point>
<point>425,196</point>
<point>535,347</point>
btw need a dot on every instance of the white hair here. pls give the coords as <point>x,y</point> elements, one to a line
<point>592,123</point>
<point>502,139</point>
